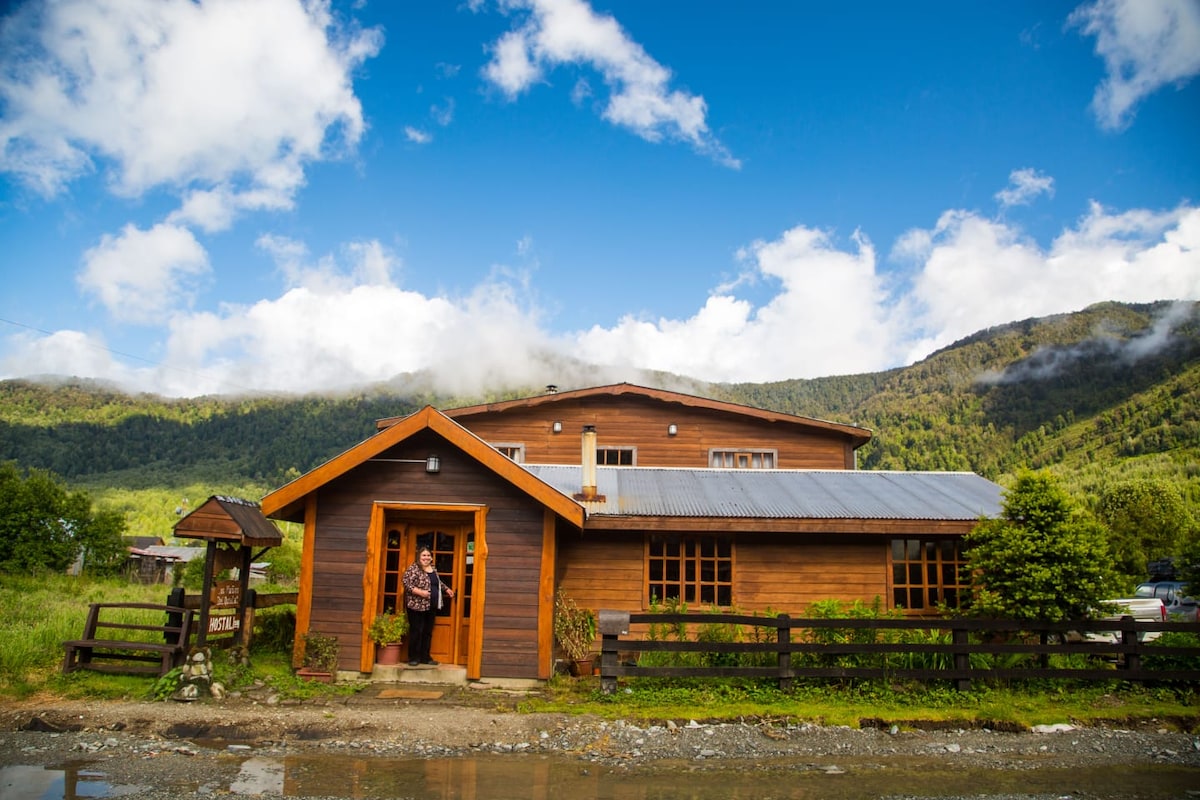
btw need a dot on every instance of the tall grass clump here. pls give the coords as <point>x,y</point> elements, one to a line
<point>38,612</point>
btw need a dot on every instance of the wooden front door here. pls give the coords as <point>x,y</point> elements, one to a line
<point>452,556</point>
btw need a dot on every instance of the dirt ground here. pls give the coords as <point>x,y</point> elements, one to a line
<point>188,744</point>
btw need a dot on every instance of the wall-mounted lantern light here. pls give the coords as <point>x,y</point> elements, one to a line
<point>556,427</point>
<point>672,429</point>
<point>433,465</point>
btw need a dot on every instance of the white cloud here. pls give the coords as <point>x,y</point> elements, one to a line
<point>370,264</point>
<point>142,276</point>
<point>557,32</point>
<point>416,136</point>
<point>341,319</point>
<point>1145,44</point>
<point>975,272</point>
<point>821,290</point>
<point>1024,185</point>
<point>225,101</point>
<point>443,114</point>
<point>342,327</point>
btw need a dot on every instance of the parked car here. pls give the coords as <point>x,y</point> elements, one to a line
<point>1142,609</point>
<point>1180,608</point>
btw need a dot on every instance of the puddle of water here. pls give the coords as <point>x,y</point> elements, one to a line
<point>21,782</point>
<point>526,777</point>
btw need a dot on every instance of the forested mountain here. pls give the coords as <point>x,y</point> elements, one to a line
<point>1113,389</point>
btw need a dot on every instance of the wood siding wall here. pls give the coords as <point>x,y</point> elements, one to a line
<point>514,540</point>
<point>781,573</point>
<point>642,423</point>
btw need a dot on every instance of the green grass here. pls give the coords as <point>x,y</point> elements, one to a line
<point>648,699</point>
<point>38,613</point>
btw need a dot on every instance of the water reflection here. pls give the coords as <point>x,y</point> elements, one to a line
<point>532,777</point>
<point>20,782</point>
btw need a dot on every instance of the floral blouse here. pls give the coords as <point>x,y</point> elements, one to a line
<point>416,578</point>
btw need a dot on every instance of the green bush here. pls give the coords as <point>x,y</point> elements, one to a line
<point>274,630</point>
<point>1172,639</point>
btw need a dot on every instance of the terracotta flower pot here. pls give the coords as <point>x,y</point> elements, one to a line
<point>388,654</point>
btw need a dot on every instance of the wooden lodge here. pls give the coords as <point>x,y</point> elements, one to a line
<point>619,496</point>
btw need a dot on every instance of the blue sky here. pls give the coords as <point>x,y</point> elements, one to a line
<point>286,196</point>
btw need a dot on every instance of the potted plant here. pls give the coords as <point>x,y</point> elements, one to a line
<point>387,632</point>
<point>574,630</point>
<point>320,657</point>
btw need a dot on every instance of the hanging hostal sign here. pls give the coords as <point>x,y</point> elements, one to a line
<point>226,594</point>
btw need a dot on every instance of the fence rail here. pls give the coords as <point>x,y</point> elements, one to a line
<point>963,649</point>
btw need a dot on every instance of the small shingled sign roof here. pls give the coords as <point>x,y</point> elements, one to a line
<point>229,519</point>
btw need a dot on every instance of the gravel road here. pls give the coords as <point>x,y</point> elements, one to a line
<point>201,749</point>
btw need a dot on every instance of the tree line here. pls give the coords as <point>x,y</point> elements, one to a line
<point>1107,399</point>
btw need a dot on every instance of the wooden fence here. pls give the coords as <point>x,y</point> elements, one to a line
<point>957,650</point>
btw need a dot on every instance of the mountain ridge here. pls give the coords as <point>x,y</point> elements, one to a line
<point>1112,384</point>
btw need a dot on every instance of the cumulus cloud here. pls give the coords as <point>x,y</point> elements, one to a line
<point>142,275</point>
<point>1145,44</point>
<point>731,340</point>
<point>550,33</point>
<point>1024,185</point>
<point>973,272</point>
<point>342,319</point>
<point>344,323</point>
<point>224,101</point>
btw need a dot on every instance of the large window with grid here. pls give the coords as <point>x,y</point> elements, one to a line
<point>697,570</point>
<point>926,573</point>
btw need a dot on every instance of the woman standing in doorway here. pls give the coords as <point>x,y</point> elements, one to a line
<point>422,599</point>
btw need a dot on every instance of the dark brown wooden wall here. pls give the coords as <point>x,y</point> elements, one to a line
<point>642,423</point>
<point>514,537</point>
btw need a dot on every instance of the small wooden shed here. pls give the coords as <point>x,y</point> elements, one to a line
<point>233,528</point>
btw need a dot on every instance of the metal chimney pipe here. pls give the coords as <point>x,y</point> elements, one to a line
<point>588,460</point>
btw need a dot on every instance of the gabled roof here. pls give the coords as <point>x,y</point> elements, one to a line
<point>859,436</point>
<point>229,519</point>
<point>781,493</point>
<point>287,502</point>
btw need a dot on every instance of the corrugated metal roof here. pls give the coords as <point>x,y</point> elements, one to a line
<point>780,493</point>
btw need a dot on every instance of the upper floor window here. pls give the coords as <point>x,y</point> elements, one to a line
<point>514,451</point>
<point>742,459</point>
<point>927,573</point>
<point>689,569</point>
<point>615,456</point>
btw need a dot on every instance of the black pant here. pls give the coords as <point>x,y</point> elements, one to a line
<point>420,632</point>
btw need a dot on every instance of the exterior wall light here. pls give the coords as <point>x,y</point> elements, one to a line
<point>433,465</point>
<point>672,429</point>
<point>556,427</point>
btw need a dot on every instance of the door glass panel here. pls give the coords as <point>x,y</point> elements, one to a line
<point>465,589</point>
<point>393,568</point>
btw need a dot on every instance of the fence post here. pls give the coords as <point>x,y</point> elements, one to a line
<point>1129,640</point>
<point>784,637</point>
<point>962,659</point>
<point>174,618</point>
<point>612,624</point>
